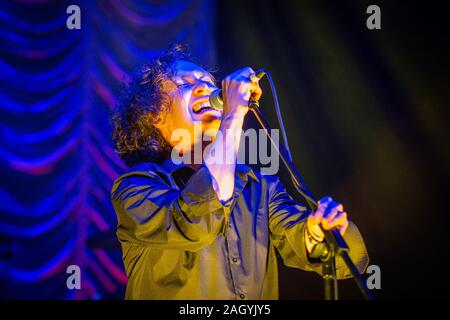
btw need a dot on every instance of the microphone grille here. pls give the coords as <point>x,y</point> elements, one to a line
<point>215,99</point>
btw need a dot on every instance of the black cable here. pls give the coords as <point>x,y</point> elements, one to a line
<point>297,180</point>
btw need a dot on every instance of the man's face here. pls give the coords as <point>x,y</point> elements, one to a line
<point>190,102</point>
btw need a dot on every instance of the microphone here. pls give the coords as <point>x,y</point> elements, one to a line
<point>215,98</point>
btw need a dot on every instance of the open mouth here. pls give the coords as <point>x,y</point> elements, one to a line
<point>203,107</point>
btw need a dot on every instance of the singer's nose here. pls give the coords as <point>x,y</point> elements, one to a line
<point>202,89</point>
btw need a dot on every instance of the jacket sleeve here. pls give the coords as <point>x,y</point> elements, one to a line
<point>152,213</point>
<point>287,222</point>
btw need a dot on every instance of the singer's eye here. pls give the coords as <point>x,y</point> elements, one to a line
<point>181,83</point>
<point>212,83</point>
<point>208,80</point>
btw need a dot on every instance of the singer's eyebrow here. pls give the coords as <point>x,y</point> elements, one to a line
<point>189,76</point>
<point>204,74</point>
<point>181,75</point>
<point>210,77</point>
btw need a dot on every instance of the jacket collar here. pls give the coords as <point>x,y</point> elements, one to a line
<point>242,170</point>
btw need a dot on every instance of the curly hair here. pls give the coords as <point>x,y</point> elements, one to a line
<point>145,100</point>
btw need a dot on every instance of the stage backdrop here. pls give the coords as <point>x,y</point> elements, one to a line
<point>364,113</point>
<point>57,166</point>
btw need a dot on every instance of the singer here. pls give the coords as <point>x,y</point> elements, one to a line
<point>206,229</point>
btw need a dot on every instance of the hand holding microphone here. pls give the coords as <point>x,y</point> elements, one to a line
<point>238,89</point>
<point>329,215</point>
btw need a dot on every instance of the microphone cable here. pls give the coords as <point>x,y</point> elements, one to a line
<point>297,180</point>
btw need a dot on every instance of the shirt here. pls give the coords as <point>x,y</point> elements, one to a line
<point>179,241</point>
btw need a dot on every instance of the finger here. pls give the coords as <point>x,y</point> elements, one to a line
<point>343,228</point>
<point>325,200</point>
<point>318,214</point>
<point>245,88</point>
<point>248,72</point>
<point>337,222</point>
<point>314,218</point>
<point>237,75</point>
<point>313,227</point>
<point>331,209</point>
<point>244,85</point>
<point>245,72</point>
<point>237,79</point>
<point>325,222</point>
<point>224,83</point>
<point>311,220</point>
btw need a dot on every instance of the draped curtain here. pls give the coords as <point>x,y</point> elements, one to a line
<point>58,88</point>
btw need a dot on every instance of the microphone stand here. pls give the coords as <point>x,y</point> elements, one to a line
<point>334,245</point>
